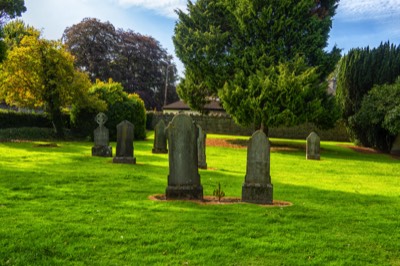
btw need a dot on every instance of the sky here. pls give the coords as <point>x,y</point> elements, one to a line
<point>357,23</point>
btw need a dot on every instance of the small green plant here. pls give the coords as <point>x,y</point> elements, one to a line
<point>218,192</point>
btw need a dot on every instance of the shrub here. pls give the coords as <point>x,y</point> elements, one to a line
<point>377,122</point>
<point>120,106</point>
<point>13,119</point>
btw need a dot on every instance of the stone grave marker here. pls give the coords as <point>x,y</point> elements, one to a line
<point>160,138</point>
<point>201,148</point>
<point>257,187</point>
<point>183,178</point>
<point>101,138</point>
<point>313,147</point>
<point>396,146</point>
<point>124,153</point>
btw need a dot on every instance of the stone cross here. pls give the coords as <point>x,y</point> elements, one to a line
<point>183,178</point>
<point>313,147</point>
<point>101,138</point>
<point>201,148</point>
<point>257,187</point>
<point>124,153</point>
<point>160,138</point>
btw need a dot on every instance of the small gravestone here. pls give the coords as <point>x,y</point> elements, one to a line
<point>160,138</point>
<point>201,148</point>
<point>257,187</point>
<point>313,147</point>
<point>101,138</point>
<point>183,178</point>
<point>124,153</point>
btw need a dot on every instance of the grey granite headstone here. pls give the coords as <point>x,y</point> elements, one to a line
<point>201,148</point>
<point>313,147</point>
<point>257,187</point>
<point>101,138</point>
<point>183,178</point>
<point>160,138</point>
<point>396,146</point>
<point>125,151</point>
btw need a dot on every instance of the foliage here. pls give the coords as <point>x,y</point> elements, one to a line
<point>15,31</point>
<point>62,206</point>
<point>377,123</point>
<point>218,192</point>
<point>41,73</point>
<point>288,94</point>
<point>13,119</point>
<point>120,106</point>
<point>26,133</point>
<point>137,61</point>
<point>358,72</point>
<point>363,68</point>
<point>9,9</point>
<point>229,47</point>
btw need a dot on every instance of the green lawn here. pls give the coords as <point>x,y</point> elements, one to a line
<point>60,206</point>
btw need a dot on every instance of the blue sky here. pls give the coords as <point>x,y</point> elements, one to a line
<point>358,23</point>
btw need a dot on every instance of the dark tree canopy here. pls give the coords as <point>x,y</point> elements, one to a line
<point>137,61</point>
<point>226,46</point>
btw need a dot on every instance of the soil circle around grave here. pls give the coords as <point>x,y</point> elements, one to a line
<point>211,200</point>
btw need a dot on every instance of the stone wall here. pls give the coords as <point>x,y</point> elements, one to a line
<point>225,125</point>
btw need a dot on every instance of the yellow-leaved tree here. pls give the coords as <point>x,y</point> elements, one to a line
<point>41,73</point>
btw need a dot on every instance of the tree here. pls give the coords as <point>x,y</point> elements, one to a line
<point>229,46</point>
<point>377,121</point>
<point>137,61</point>
<point>358,72</point>
<point>9,9</point>
<point>15,31</point>
<point>41,73</point>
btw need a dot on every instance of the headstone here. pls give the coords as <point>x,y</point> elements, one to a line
<point>313,147</point>
<point>257,187</point>
<point>125,150</point>
<point>396,146</point>
<point>101,138</point>
<point>183,178</point>
<point>160,138</point>
<point>201,148</point>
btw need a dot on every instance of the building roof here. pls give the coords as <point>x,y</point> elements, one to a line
<point>181,105</point>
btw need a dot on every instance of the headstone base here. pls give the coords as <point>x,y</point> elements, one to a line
<point>313,157</point>
<point>159,151</point>
<point>125,160</point>
<point>184,192</point>
<point>257,193</point>
<point>102,151</point>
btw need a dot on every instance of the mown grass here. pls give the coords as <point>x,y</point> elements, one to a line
<point>60,206</point>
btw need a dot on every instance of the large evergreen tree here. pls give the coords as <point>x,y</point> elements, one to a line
<point>244,50</point>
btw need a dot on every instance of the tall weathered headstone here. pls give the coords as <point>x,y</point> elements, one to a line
<point>124,153</point>
<point>201,148</point>
<point>313,147</point>
<point>396,146</point>
<point>183,178</point>
<point>101,138</point>
<point>257,187</point>
<point>160,138</point>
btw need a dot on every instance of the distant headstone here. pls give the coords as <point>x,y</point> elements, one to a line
<point>257,187</point>
<point>313,147</point>
<point>160,138</point>
<point>183,178</point>
<point>201,148</point>
<point>101,138</point>
<point>125,151</point>
<point>396,146</point>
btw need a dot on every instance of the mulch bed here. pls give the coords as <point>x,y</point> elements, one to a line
<point>211,200</point>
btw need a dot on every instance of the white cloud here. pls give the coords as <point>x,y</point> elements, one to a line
<point>368,9</point>
<point>162,7</point>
